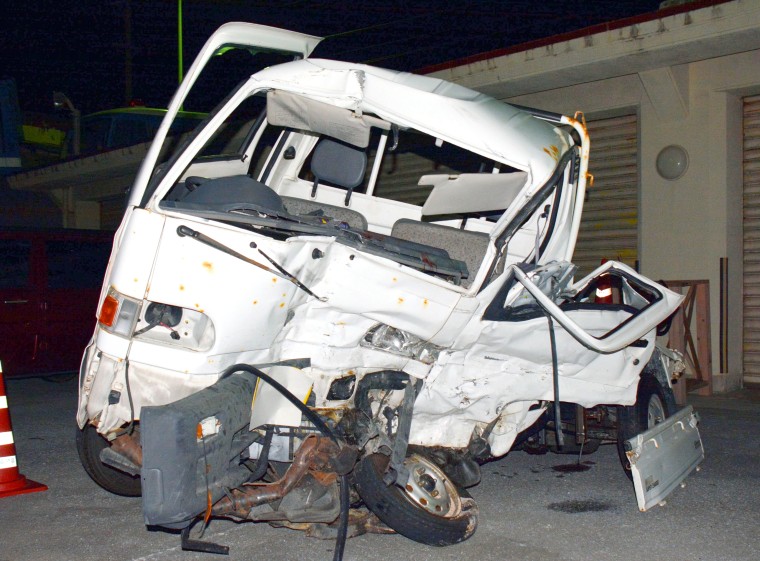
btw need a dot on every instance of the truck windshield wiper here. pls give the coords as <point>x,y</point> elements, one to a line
<point>279,271</point>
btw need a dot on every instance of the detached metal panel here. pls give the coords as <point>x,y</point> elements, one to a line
<point>609,226</point>
<point>751,222</point>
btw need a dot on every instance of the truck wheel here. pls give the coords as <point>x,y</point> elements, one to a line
<point>89,445</point>
<point>654,404</point>
<point>429,509</point>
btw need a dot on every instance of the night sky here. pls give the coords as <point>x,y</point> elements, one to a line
<point>82,47</point>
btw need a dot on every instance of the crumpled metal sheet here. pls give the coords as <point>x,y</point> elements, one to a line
<point>508,369</point>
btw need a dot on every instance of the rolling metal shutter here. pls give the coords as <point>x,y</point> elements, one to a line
<point>609,226</point>
<point>751,222</point>
<point>399,174</point>
<point>402,169</point>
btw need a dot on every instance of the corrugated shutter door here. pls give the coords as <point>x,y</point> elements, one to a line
<point>609,226</point>
<point>399,174</point>
<point>751,220</point>
<point>398,178</point>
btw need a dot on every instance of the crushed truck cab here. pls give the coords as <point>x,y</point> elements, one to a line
<point>354,279</point>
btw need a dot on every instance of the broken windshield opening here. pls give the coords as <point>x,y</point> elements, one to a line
<point>160,171</point>
<point>414,155</point>
<point>362,177</point>
<point>266,216</point>
<point>224,71</point>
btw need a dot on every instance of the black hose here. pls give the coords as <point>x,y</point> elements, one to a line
<point>130,428</point>
<point>555,378</point>
<point>316,420</point>
<point>259,470</point>
<point>340,539</point>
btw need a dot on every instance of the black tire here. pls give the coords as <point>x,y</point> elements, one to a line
<point>398,508</point>
<point>89,445</point>
<point>654,403</point>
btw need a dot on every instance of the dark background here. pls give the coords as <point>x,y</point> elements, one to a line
<point>88,49</point>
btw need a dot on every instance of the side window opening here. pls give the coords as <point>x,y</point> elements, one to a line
<point>327,169</point>
<point>264,147</point>
<point>416,155</point>
<point>231,138</point>
<point>222,74</point>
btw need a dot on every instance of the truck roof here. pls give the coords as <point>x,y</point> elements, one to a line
<point>450,112</point>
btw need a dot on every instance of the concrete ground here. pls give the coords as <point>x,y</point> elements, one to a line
<point>528,510</point>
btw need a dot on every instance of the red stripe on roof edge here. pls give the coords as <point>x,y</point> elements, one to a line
<point>585,32</point>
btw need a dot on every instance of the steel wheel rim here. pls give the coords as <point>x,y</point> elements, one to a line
<point>429,488</point>
<point>655,411</point>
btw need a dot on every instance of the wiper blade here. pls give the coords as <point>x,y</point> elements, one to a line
<point>183,231</point>
<point>415,255</point>
<point>266,219</point>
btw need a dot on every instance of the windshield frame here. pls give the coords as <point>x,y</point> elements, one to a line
<point>169,172</point>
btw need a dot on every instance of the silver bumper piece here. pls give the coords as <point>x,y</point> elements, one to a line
<point>663,456</point>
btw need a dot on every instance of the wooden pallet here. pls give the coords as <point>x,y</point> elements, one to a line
<point>693,314</point>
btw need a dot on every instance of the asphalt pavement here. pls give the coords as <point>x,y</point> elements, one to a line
<point>532,508</point>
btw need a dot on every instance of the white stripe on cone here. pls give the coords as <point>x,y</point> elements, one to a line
<point>3,402</point>
<point>8,462</point>
<point>6,438</point>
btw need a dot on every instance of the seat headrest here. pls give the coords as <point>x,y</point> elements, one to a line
<point>338,164</point>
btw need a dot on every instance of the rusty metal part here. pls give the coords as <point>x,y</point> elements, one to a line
<point>129,447</point>
<point>312,457</point>
<point>360,521</point>
<point>334,414</point>
<point>345,461</point>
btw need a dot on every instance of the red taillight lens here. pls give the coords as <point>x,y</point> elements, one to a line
<point>108,311</point>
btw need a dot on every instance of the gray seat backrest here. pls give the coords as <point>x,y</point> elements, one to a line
<point>338,164</point>
<point>463,245</point>
<point>305,206</point>
<point>231,190</point>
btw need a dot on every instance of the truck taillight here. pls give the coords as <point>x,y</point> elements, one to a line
<point>108,311</point>
<point>118,313</point>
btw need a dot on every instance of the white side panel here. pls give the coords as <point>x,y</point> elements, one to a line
<point>470,192</point>
<point>271,407</point>
<point>137,251</point>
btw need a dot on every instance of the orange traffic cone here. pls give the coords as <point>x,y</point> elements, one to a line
<point>11,481</point>
<point>603,289</point>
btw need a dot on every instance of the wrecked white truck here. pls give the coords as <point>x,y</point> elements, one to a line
<point>339,309</point>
